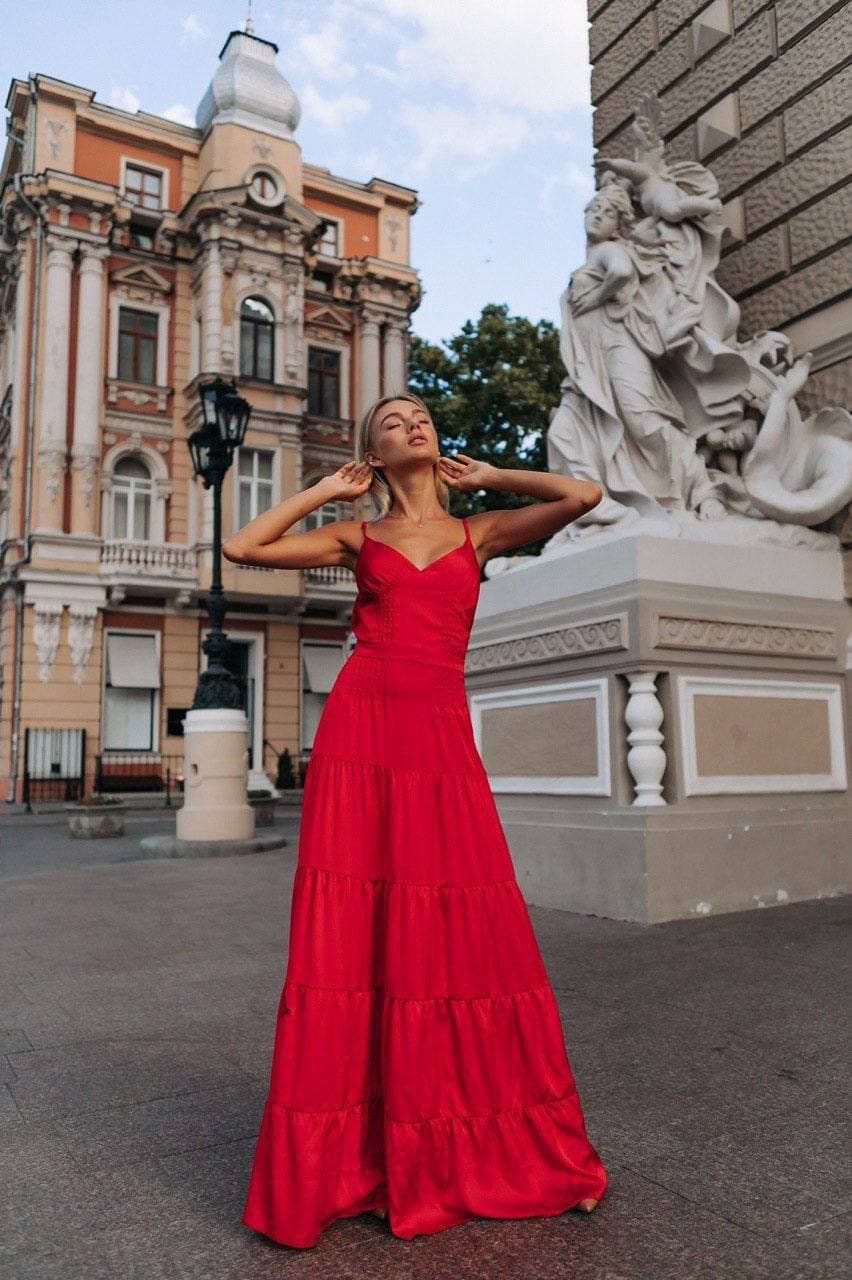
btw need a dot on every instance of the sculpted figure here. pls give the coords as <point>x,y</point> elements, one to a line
<point>619,422</point>
<point>663,406</point>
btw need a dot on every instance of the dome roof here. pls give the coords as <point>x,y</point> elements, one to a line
<point>247,88</point>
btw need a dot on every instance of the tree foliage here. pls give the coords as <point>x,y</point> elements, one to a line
<point>490,390</point>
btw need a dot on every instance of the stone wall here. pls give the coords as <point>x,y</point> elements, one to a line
<point>758,91</point>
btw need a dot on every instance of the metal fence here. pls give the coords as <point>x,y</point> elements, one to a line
<point>54,764</point>
<point>139,772</point>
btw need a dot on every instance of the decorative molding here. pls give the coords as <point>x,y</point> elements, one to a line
<point>138,393</point>
<point>720,635</point>
<point>328,317</point>
<point>140,282</point>
<point>600,636</point>
<point>646,758</point>
<point>51,461</point>
<point>47,624</point>
<point>81,628</point>
<point>694,783</point>
<point>597,784</point>
<point>85,460</point>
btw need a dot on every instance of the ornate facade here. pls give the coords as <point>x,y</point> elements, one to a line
<point>137,257</point>
<point>761,91</point>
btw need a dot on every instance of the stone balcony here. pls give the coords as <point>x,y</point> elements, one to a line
<point>161,567</point>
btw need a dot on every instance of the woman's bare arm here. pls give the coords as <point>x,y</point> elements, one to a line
<point>265,541</point>
<point>563,500</point>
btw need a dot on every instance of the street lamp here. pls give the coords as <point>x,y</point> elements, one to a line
<point>225,415</point>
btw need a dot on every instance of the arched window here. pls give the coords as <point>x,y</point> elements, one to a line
<point>131,500</point>
<point>257,328</point>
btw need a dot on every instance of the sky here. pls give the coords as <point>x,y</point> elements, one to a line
<point>482,106</point>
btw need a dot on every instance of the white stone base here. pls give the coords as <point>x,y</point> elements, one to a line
<point>663,725</point>
<point>215,804</point>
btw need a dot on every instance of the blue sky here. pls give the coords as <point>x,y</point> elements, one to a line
<point>481,105</point>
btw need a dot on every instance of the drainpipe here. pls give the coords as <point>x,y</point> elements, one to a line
<point>9,573</point>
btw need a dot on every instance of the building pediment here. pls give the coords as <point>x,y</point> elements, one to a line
<point>326,317</point>
<point>139,276</point>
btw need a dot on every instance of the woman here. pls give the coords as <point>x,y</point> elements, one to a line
<point>419,1068</point>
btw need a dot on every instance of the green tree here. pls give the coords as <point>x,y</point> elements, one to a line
<point>490,390</point>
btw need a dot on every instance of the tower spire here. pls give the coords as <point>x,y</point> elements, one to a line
<point>249,27</point>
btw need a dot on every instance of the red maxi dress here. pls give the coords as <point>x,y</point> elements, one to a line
<point>419,1062</point>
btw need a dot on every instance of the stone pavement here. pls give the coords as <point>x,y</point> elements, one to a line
<point>138,1003</point>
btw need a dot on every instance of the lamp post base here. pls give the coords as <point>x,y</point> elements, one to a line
<point>215,783</point>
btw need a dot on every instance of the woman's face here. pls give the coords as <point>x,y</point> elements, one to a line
<point>402,433</point>
<point>601,219</point>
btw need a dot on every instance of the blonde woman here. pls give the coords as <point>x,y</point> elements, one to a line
<point>419,1069</point>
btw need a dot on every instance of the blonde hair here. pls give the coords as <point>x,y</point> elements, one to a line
<point>380,491</point>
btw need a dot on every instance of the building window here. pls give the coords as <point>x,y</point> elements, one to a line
<point>131,500</point>
<point>257,330</point>
<point>254,478</point>
<point>141,237</point>
<point>325,514</point>
<point>323,383</point>
<point>137,345</point>
<point>132,682</point>
<point>143,187</point>
<point>330,244</point>
<point>322,282</point>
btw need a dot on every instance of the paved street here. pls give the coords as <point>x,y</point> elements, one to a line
<point>138,1007</point>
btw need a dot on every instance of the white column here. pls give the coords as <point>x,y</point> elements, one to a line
<point>369,362</point>
<point>18,368</point>
<point>211,307</point>
<point>54,383</point>
<point>646,759</point>
<point>85,450</point>
<point>395,375</point>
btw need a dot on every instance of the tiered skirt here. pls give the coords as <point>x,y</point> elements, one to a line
<point>419,1063</point>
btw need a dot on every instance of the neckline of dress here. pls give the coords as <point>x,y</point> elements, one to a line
<point>452,551</point>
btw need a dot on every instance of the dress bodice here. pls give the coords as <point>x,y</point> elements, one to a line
<point>425,615</point>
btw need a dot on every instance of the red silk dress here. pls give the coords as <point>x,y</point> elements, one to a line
<point>419,1062</point>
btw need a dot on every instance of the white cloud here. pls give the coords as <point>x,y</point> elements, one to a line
<point>124,97</point>
<point>180,114</point>
<point>515,54</point>
<point>323,52</point>
<point>480,138</point>
<point>334,113</point>
<point>193,28</point>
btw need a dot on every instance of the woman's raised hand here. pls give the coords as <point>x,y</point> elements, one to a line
<point>465,473</point>
<point>348,482</point>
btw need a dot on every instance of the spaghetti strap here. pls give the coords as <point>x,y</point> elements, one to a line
<point>466,529</point>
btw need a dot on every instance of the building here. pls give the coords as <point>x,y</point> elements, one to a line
<point>761,92</point>
<point>137,256</point>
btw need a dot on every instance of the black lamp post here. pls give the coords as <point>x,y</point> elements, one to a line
<point>225,416</point>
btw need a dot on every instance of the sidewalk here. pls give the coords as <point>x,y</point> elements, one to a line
<point>138,1006</point>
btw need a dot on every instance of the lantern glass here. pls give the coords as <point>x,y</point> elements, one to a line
<point>209,394</point>
<point>200,445</point>
<point>235,416</point>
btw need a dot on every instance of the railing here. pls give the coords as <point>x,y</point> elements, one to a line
<point>298,765</point>
<point>139,772</point>
<point>54,764</point>
<point>157,559</point>
<point>329,575</point>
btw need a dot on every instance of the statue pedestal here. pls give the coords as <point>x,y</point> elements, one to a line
<point>663,725</point>
<point>215,777</point>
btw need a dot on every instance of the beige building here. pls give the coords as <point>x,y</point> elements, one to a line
<point>761,91</point>
<point>138,255</point>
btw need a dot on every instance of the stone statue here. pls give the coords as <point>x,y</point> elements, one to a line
<point>690,431</point>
